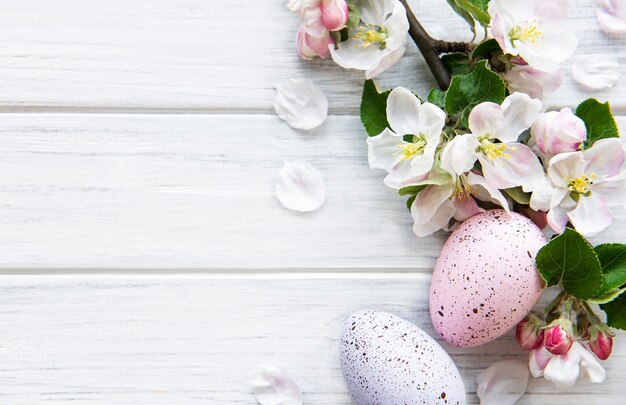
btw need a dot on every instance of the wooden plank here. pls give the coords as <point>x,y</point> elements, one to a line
<point>198,339</point>
<point>200,55</point>
<point>196,192</point>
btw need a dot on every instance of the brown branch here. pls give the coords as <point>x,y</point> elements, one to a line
<point>431,48</point>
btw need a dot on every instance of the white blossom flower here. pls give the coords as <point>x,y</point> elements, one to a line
<point>581,186</point>
<point>440,202</point>
<point>611,16</point>
<point>407,162</point>
<point>596,72</point>
<point>503,383</point>
<point>379,42</point>
<point>563,370</point>
<point>507,163</point>
<point>534,30</point>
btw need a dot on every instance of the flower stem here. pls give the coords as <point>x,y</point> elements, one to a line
<point>556,301</point>
<point>430,48</point>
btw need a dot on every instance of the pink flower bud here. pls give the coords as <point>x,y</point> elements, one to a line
<point>601,342</point>
<point>529,334</point>
<point>559,132</point>
<point>309,47</point>
<point>334,14</point>
<point>557,339</point>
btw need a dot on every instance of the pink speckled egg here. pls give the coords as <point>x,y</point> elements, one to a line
<point>387,360</point>
<point>485,280</point>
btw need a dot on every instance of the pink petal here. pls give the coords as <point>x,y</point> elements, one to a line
<point>432,209</point>
<point>466,208</point>
<point>519,111</point>
<point>503,383</point>
<point>605,158</point>
<point>520,168</point>
<point>403,109</point>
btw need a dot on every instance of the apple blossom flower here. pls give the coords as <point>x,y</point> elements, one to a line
<point>523,78</point>
<point>507,163</point>
<point>601,341</point>
<point>563,370</point>
<point>407,162</point>
<point>529,334</point>
<point>334,14</point>
<point>437,204</point>
<point>611,16</point>
<point>533,30</point>
<point>581,186</point>
<point>558,337</point>
<point>557,132</point>
<point>379,42</point>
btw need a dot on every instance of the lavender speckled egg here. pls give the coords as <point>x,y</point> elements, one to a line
<point>389,361</point>
<point>485,280</point>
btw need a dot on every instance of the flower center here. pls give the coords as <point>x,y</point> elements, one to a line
<point>372,34</point>
<point>529,32</point>
<point>410,150</point>
<point>493,150</point>
<point>462,188</point>
<point>580,185</point>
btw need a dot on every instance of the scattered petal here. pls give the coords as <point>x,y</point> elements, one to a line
<point>274,386</point>
<point>611,16</point>
<point>596,72</point>
<point>301,104</point>
<point>300,187</point>
<point>503,383</point>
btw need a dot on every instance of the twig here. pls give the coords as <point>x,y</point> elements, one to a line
<point>431,48</point>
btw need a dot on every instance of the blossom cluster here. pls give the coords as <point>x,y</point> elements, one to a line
<point>512,155</point>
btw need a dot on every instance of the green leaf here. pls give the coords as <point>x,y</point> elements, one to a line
<point>437,97</point>
<point>409,202</point>
<point>373,109</point>
<point>487,49</point>
<point>616,312</point>
<point>606,298</point>
<point>354,15</point>
<point>569,260</point>
<point>478,10</point>
<point>612,258</point>
<point>518,195</point>
<point>598,119</point>
<point>464,14</point>
<point>457,63</point>
<point>468,90</point>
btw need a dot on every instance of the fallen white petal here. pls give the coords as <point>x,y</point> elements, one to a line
<point>300,187</point>
<point>503,383</point>
<point>274,386</point>
<point>596,72</point>
<point>301,103</point>
<point>611,16</point>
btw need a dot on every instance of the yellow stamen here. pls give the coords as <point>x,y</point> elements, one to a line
<point>529,32</point>
<point>493,150</point>
<point>581,184</point>
<point>462,188</point>
<point>410,150</point>
<point>372,34</point>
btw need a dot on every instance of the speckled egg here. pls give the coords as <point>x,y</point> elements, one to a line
<point>485,280</point>
<point>387,360</point>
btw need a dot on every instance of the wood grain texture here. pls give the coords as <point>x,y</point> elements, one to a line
<point>198,339</point>
<point>207,55</point>
<point>196,192</point>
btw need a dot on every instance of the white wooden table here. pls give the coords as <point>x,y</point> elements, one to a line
<point>144,257</point>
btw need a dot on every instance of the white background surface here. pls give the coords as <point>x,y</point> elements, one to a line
<point>145,257</point>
